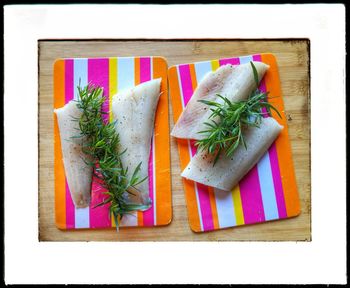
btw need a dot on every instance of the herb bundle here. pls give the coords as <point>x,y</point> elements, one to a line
<point>229,119</point>
<point>101,145</point>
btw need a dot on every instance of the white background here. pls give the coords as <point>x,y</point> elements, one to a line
<point>323,260</point>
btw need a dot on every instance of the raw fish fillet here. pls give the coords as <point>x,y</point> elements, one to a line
<point>234,82</point>
<point>78,173</point>
<point>228,171</point>
<point>134,109</point>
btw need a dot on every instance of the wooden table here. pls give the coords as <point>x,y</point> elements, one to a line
<point>293,61</point>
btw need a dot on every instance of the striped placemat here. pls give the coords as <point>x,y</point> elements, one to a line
<point>113,74</point>
<point>268,191</point>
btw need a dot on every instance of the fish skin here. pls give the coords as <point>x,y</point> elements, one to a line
<point>234,82</point>
<point>78,173</point>
<point>134,111</point>
<point>228,171</point>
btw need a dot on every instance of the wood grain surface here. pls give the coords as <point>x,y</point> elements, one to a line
<point>293,62</point>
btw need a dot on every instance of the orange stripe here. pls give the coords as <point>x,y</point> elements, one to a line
<point>137,82</point>
<point>162,145</point>
<point>282,143</point>
<point>184,154</point>
<point>214,210</point>
<point>60,187</point>
<point>193,77</point>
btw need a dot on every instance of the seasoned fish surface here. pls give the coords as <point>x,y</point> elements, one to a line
<point>228,171</point>
<point>78,173</point>
<point>234,82</point>
<point>134,109</point>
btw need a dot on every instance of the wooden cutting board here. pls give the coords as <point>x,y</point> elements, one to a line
<point>293,63</point>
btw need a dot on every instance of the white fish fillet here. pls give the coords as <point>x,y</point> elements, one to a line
<point>134,109</point>
<point>78,173</point>
<point>234,82</point>
<point>228,171</point>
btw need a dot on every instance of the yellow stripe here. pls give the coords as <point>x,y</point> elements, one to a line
<point>237,202</point>
<point>112,83</point>
<point>112,90</point>
<point>215,65</point>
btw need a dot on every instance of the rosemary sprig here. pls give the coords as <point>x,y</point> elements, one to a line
<point>228,120</point>
<point>101,145</point>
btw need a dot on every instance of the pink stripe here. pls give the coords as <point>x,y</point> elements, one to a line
<point>257,57</point>
<point>233,61</point>
<point>275,169</point>
<point>276,175</point>
<point>98,74</point>
<point>252,205</point>
<point>69,95</point>
<point>204,200</point>
<point>145,69</point>
<point>203,194</point>
<point>262,86</point>
<point>186,83</point>
<point>70,209</point>
<point>148,215</point>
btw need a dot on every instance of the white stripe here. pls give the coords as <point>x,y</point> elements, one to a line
<point>81,215</point>
<point>189,151</point>
<point>225,208</point>
<point>267,188</point>
<point>245,59</point>
<point>154,181</point>
<point>126,73</point>
<point>202,68</point>
<point>126,80</point>
<point>154,161</point>
<point>151,67</point>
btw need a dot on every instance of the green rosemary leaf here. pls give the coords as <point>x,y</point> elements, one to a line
<point>228,120</point>
<point>101,144</point>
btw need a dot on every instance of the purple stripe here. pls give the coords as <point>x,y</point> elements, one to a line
<point>186,82</point>
<point>252,204</point>
<point>98,75</point>
<point>276,175</point>
<point>233,61</point>
<point>148,215</point>
<point>69,95</point>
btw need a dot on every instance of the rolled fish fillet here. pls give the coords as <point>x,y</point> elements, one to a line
<point>78,173</point>
<point>233,82</point>
<point>134,109</point>
<point>228,171</point>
